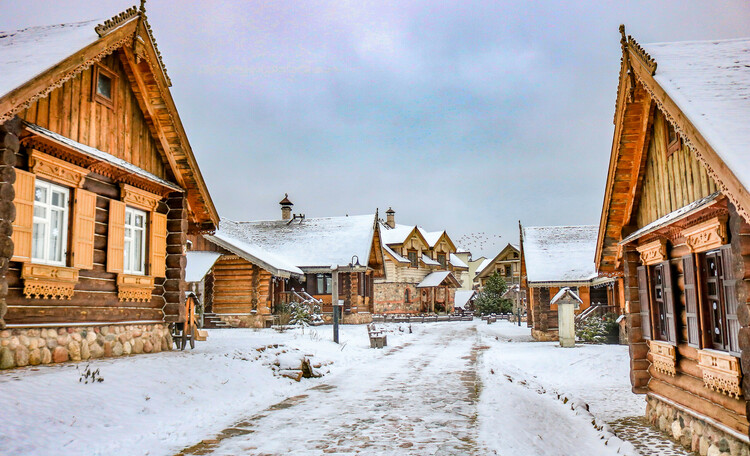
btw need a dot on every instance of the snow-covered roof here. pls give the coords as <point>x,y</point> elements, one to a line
<point>100,155</point>
<point>457,262</point>
<point>395,235</point>
<point>710,83</point>
<point>311,242</point>
<point>565,291</point>
<point>462,298</point>
<point>198,264</point>
<point>255,255</point>
<point>432,237</point>
<point>27,53</point>
<point>434,279</point>
<point>395,255</point>
<point>485,263</point>
<point>560,253</point>
<point>429,261</point>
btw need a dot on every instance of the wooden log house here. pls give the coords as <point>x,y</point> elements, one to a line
<point>99,189</point>
<point>267,263</point>
<point>421,270</point>
<point>507,263</point>
<point>675,232</point>
<point>555,257</point>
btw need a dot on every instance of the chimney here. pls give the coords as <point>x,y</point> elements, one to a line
<point>286,208</point>
<point>390,218</point>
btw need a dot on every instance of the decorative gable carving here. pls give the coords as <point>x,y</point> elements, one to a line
<point>654,252</point>
<point>707,235</point>
<point>56,170</point>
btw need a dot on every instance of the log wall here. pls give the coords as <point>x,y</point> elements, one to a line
<point>9,146</point>
<point>122,131</point>
<point>239,287</point>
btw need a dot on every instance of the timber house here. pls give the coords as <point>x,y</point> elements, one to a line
<point>675,231</point>
<point>507,263</point>
<point>421,270</point>
<point>99,190</point>
<point>556,257</point>
<point>266,263</point>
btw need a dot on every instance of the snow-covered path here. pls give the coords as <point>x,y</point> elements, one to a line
<point>417,399</point>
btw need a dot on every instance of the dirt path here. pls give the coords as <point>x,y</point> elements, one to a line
<point>418,399</point>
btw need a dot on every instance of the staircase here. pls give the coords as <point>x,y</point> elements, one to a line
<point>211,321</point>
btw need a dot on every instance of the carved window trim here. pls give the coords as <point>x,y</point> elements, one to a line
<point>56,170</point>
<point>707,235</point>
<point>664,357</point>
<point>134,288</point>
<point>139,199</point>
<point>43,281</point>
<point>98,97</point>
<point>653,252</point>
<point>721,372</point>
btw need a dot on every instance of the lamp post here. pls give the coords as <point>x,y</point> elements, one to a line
<point>335,302</point>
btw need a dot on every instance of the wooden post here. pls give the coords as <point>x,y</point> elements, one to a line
<point>174,298</point>
<point>335,302</point>
<point>9,146</point>
<point>639,363</point>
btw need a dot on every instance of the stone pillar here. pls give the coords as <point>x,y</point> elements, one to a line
<point>566,325</point>
<point>8,149</point>
<point>175,285</point>
<point>639,375</point>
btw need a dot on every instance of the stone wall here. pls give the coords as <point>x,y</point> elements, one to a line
<point>247,321</point>
<point>693,433</point>
<point>33,346</point>
<point>389,297</point>
<point>360,318</point>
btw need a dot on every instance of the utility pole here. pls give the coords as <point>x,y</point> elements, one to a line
<point>335,302</point>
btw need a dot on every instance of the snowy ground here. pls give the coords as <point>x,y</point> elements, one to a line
<point>446,388</point>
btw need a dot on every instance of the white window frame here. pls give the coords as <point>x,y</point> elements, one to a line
<point>47,222</point>
<point>128,263</point>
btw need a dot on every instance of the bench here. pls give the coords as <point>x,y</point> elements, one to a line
<point>378,339</point>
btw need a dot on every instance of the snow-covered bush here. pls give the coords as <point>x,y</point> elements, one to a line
<point>599,330</point>
<point>299,313</point>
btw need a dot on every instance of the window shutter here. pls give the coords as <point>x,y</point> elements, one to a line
<point>158,245</point>
<point>116,236</point>
<point>23,226</point>
<point>643,298</point>
<point>691,302</point>
<point>731,303</point>
<point>84,222</point>
<point>669,303</point>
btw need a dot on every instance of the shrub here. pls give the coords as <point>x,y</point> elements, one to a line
<point>490,299</point>
<point>599,330</point>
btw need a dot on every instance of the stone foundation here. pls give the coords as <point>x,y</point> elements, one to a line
<point>390,298</point>
<point>361,318</point>
<point>21,347</point>
<point>545,336</point>
<point>247,321</point>
<point>693,433</point>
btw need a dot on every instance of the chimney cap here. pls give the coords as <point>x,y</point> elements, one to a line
<point>390,211</point>
<point>285,201</point>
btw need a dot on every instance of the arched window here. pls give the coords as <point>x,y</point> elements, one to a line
<point>407,295</point>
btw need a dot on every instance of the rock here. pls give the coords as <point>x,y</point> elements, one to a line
<point>703,446</point>
<point>164,344</point>
<point>123,337</point>
<point>14,343</point>
<point>59,354</point>
<point>6,358</point>
<point>63,340</point>
<point>148,347</point>
<point>61,331</point>
<point>90,336</point>
<point>35,357</point>
<point>24,340</point>
<point>156,344</point>
<point>46,356</point>
<point>676,430</point>
<point>33,343</point>
<point>127,348</point>
<point>74,350</point>
<point>713,450</point>
<point>85,352</point>
<point>51,343</point>
<point>41,343</point>
<point>110,338</point>
<point>104,330</point>
<point>4,334</point>
<point>96,350</point>
<point>107,349</point>
<point>138,346</point>
<point>137,333</point>
<point>22,356</point>
<point>76,337</point>
<point>117,349</point>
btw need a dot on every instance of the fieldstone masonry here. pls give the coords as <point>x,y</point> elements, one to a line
<point>390,297</point>
<point>693,433</point>
<point>34,346</point>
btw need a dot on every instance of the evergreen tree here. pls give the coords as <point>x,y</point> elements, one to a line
<point>490,299</point>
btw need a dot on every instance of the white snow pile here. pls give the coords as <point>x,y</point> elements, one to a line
<point>292,363</point>
<point>710,83</point>
<point>560,253</point>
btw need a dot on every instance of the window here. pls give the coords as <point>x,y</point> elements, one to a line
<point>656,296</point>
<point>712,274</point>
<point>508,271</point>
<point>135,241</point>
<point>323,282</point>
<point>103,86</point>
<point>407,296</point>
<point>673,139</point>
<point>441,259</point>
<point>50,229</point>
<point>413,259</point>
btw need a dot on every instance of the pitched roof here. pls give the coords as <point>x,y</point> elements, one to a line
<point>435,279</point>
<point>395,255</point>
<point>710,83</point>
<point>429,261</point>
<point>457,262</point>
<point>198,264</point>
<point>559,253</point>
<point>565,291</point>
<point>276,265</point>
<point>311,242</point>
<point>432,237</point>
<point>395,235</point>
<point>484,264</point>
<point>463,297</point>
<point>508,248</point>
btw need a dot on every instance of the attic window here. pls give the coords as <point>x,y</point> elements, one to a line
<point>104,86</point>
<point>673,140</point>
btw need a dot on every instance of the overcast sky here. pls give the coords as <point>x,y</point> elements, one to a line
<point>465,116</point>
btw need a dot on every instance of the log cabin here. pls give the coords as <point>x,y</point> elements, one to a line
<point>99,188</point>
<point>555,257</point>
<point>674,231</point>
<point>507,263</point>
<point>264,264</point>
<point>421,270</point>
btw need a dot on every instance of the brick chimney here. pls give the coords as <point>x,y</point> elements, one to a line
<point>286,208</point>
<point>390,217</point>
